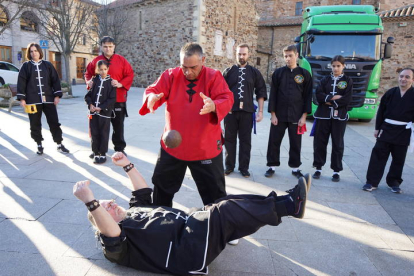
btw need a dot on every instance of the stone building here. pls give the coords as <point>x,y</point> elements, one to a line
<point>27,28</point>
<point>280,22</point>
<point>161,27</point>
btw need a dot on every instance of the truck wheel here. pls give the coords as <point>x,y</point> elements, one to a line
<point>364,120</point>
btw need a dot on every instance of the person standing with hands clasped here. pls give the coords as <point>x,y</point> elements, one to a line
<point>100,100</point>
<point>333,94</point>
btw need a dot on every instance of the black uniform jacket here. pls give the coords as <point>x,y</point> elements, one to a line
<point>395,107</point>
<point>244,85</point>
<point>160,239</point>
<point>37,79</point>
<point>290,94</point>
<point>339,108</point>
<point>103,95</point>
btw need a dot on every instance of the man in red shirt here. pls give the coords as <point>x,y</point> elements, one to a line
<point>197,99</point>
<point>122,76</point>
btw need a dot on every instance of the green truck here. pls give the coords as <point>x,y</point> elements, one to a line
<point>355,32</point>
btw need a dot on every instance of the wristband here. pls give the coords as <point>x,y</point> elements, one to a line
<point>128,167</point>
<point>92,205</point>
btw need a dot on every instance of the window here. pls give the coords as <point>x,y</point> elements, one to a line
<point>29,22</point>
<point>4,18</point>
<point>5,53</point>
<point>356,2</point>
<point>298,8</point>
<point>24,55</point>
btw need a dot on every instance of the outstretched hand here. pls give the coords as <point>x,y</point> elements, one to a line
<point>209,105</point>
<point>119,159</point>
<point>82,191</point>
<point>152,99</point>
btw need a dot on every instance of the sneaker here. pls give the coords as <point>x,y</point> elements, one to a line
<point>299,195</point>
<point>245,174</point>
<point>270,172</point>
<point>102,159</point>
<point>234,242</point>
<point>336,177</point>
<point>96,159</point>
<point>308,181</point>
<point>228,171</point>
<point>39,151</point>
<point>92,155</point>
<point>396,190</point>
<point>317,175</point>
<point>62,149</point>
<point>298,174</point>
<point>368,187</point>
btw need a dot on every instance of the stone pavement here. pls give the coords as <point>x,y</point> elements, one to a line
<point>44,229</point>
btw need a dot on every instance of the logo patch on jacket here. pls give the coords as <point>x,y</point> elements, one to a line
<point>342,84</point>
<point>299,79</point>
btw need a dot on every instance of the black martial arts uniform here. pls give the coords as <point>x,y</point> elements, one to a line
<point>171,241</point>
<point>38,83</point>
<point>244,82</point>
<point>331,120</point>
<point>290,97</point>
<point>394,123</point>
<point>102,95</point>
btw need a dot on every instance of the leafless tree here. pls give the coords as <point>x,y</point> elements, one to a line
<point>113,19</point>
<point>66,22</point>
<point>5,12</point>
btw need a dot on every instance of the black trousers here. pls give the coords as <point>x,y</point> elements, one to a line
<point>379,157</point>
<point>118,126</point>
<point>169,174</point>
<point>238,123</point>
<point>324,129</point>
<point>52,120</point>
<point>275,140</point>
<point>237,216</point>
<point>100,127</point>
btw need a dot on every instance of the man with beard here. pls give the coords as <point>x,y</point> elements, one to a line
<point>244,81</point>
<point>122,76</point>
<point>393,129</point>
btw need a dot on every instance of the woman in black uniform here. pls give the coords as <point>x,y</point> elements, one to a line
<point>333,94</point>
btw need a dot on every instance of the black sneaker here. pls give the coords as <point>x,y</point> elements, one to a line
<point>102,159</point>
<point>369,187</point>
<point>96,159</point>
<point>317,175</point>
<point>396,190</point>
<point>269,173</point>
<point>92,155</point>
<point>228,171</point>
<point>39,151</point>
<point>245,174</point>
<point>308,181</point>
<point>298,174</point>
<point>299,195</point>
<point>336,177</point>
<point>62,149</point>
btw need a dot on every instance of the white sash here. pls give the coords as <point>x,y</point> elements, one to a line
<point>407,126</point>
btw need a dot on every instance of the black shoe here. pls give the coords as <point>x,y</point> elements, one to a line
<point>245,174</point>
<point>39,151</point>
<point>298,174</point>
<point>270,172</point>
<point>299,195</point>
<point>228,171</point>
<point>62,149</point>
<point>102,159</point>
<point>96,159</point>
<point>317,175</point>
<point>396,190</point>
<point>92,155</point>
<point>336,177</point>
<point>369,187</point>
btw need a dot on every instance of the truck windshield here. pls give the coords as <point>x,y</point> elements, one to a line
<point>354,47</point>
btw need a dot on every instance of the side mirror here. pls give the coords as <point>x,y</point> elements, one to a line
<point>390,40</point>
<point>297,39</point>
<point>388,50</point>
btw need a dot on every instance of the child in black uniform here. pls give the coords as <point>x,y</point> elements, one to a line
<point>333,94</point>
<point>100,100</point>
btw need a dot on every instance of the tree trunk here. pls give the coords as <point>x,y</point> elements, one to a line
<point>67,69</point>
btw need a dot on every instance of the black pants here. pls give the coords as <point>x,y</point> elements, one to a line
<point>379,157</point>
<point>275,140</point>
<point>238,123</point>
<point>169,174</point>
<point>324,129</point>
<point>100,127</point>
<point>237,216</point>
<point>118,126</point>
<point>52,120</point>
